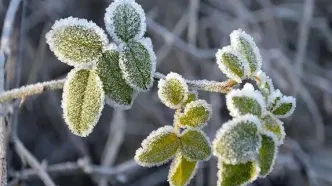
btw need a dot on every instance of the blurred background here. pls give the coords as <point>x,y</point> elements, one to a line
<point>295,39</point>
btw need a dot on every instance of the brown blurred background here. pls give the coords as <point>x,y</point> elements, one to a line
<point>295,38</point>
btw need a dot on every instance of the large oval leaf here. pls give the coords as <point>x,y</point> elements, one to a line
<point>181,171</point>
<point>195,145</point>
<point>82,101</point>
<point>267,153</point>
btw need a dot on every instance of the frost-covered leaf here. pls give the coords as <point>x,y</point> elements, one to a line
<point>232,64</point>
<point>238,140</point>
<point>158,148</point>
<point>196,114</point>
<point>77,42</point>
<point>273,99</point>
<point>195,145</point>
<point>191,96</point>
<point>274,125</point>
<point>82,101</point>
<point>265,84</point>
<point>237,175</point>
<point>244,43</point>
<point>138,64</point>
<point>125,20</point>
<point>118,93</point>
<point>245,101</point>
<point>267,153</point>
<point>284,107</point>
<point>181,171</point>
<point>173,90</point>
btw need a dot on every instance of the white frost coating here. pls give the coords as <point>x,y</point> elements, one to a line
<point>117,105</point>
<point>274,138</point>
<point>111,47</point>
<point>69,77</point>
<point>207,85</point>
<point>173,166</point>
<point>146,142</point>
<point>272,97</point>
<point>235,42</point>
<point>265,79</point>
<point>247,91</point>
<point>110,14</point>
<point>226,70</point>
<point>73,21</point>
<point>226,127</point>
<point>162,83</point>
<point>280,124</point>
<point>286,99</point>
<point>147,43</point>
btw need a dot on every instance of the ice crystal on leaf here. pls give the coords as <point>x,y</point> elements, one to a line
<point>267,153</point>
<point>181,171</point>
<point>196,114</point>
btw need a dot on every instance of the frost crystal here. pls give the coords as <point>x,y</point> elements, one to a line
<point>77,42</point>
<point>196,114</point>
<point>245,101</point>
<point>232,64</point>
<point>192,96</point>
<point>238,140</point>
<point>172,90</point>
<point>245,44</point>
<point>265,83</point>
<point>284,107</point>
<point>125,20</point>
<point>273,124</point>
<point>273,98</point>
<point>181,171</point>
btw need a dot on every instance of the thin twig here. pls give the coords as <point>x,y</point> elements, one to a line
<point>193,21</point>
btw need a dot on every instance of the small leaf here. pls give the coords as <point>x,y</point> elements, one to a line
<point>173,91</point>
<point>118,93</point>
<point>238,140</point>
<point>284,107</point>
<point>77,42</point>
<point>265,84</point>
<point>192,96</point>
<point>274,125</point>
<point>181,171</point>
<point>138,64</point>
<point>82,101</point>
<point>232,64</point>
<point>195,145</point>
<point>196,114</point>
<point>158,148</point>
<point>125,20</point>
<point>245,44</point>
<point>236,175</point>
<point>245,101</point>
<point>267,153</point>
<point>273,99</point>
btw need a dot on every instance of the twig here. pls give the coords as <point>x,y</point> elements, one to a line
<point>193,20</point>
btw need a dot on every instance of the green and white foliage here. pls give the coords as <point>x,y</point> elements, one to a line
<point>125,21</point>
<point>173,90</point>
<point>238,140</point>
<point>196,114</point>
<point>158,148</point>
<point>232,64</point>
<point>191,96</point>
<point>77,42</point>
<point>82,101</point>
<point>245,101</point>
<point>118,93</point>
<point>181,171</point>
<point>244,43</point>
<point>267,153</point>
<point>274,125</point>
<point>265,84</point>
<point>280,105</point>
<point>138,63</point>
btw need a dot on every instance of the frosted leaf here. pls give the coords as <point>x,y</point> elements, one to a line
<point>265,83</point>
<point>284,107</point>
<point>238,140</point>
<point>172,90</point>
<point>196,114</point>
<point>237,175</point>
<point>273,99</point>
<point>181,171</point>
<point>118,93</point>
<point>77,42</point>
<point>158,148</point>
<point>232,64</point>
<point>192,96</point>
<point>267,153</point>
<point>244,43</point>
<point>195,145</point>
<point>125,20</point>
<point>274,125</point>
<point>245,101</point>
<point>82,101</point>
<point>138,64</point>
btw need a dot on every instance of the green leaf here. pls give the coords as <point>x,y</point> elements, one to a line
<point>158,148</point>
<point>196,114</point>
<point>238,140</point>
<point>82,101</point>
<point>284,107</point>
<point>77,42</point>
<point>245,44</point>
<point>245,101</point>
<point>125,20</point>
<point>192,96</point>
<point>232,64</point>
<point>181,171</point>
<point>172,90</point>
<point>264,84</point>
<point>274,125</point>
<point>236,175</point>
<point>267,153</point>
<point>138,63</point>
<point>118,93</point>
<point>195,145</point>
